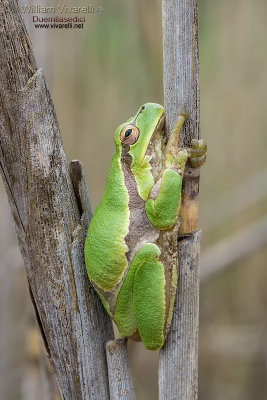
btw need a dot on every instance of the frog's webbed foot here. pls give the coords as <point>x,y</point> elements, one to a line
<point>197,152</point>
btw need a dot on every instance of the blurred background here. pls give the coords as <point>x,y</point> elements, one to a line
<point>98,77</point>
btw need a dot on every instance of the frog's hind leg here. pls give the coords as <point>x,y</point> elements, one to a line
<point>149,296</point>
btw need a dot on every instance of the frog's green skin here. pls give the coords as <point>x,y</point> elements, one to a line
<point>130,249</point>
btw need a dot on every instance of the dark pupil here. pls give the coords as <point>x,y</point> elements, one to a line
<point>128,132</point>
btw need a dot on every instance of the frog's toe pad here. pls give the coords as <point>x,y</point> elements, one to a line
<point>199,146</point>
<point>197,152</point>
<point>198,161</point>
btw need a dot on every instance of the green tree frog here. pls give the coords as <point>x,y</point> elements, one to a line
<point>131,245</point>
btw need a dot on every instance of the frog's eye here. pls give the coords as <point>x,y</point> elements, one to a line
<point>129,134</point>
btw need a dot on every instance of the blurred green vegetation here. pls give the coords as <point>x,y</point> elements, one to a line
<point>99,76</point>
<point>102,76</point>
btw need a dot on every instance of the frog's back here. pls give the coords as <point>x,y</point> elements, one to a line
<point>105,246</point>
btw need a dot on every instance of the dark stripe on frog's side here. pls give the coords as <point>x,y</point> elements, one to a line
<point>140,226</point>
<point>141,230</point>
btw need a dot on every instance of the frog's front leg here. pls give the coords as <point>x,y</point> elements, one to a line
<point>163,210</point>
<point>163,206</point>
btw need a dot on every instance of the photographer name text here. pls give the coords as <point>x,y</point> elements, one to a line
<point>62,9</point>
